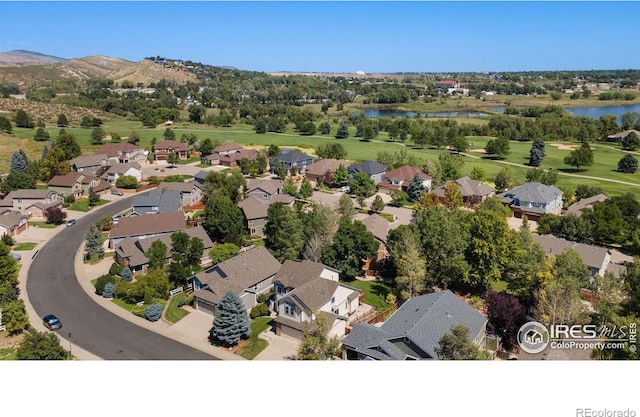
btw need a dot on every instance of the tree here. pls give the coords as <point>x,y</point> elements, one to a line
<point>280,169</point>
<point>506,314</point>
<point>494,204</point>
<point>526,260</point>
<point>19,162</point>
<point>197,113</point>
<point>224,221</point>
<point>498,147</point>
<point>459,144</point>
<point>86,122</point>
<point>504,180</point>
<point>631,142</point>
<point>93,246</point>
<point>173,158</point>
<point>352,244</point>
<point>157,255</point>
<point>455,345</point>
<point>409,264</point>
<point>362,185</point>
<point>377,204</point>
<point>97,134</point>
<point>343,132</point>
<point>261,126</point>
<point>345,206</point>
<point>5,125</point>
<point>69,146</point>
<point>416,188</point>
<point>631,280</point>
<point>542,176</point>
<point>315,344</point>
<point>628,164</point>
<point>478,174</point>
<point>222,252</point>
<point>128,182</point>
<point>306,190</point>
<point>581,157</point>
<point>14,316</point>
<point>206,147</point>
<point>231,322</point>
<point>273,150</point>
<point>41,135</point>
<point>331,151</point>
<point>537,153</point>
<point>23,120</point>
<point>41,346</point>
<point>308,128</point>
<point>55,215</point>
<point>325,128</point>
<point>450,166</point>
<point>284,232</point>
<point>289,187</point>
<point>340,177</point>
<point>62,120</point>
<point>94,198</point>
<point>126,274</point>
<point>453,196</point>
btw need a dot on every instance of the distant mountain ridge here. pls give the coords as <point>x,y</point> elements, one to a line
<point>20,57</point>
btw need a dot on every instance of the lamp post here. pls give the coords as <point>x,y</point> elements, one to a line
<point>70,354</point>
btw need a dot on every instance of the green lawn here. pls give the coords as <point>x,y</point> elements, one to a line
<point>173,312</point>
<point>25,246</point>
<point>375,291</point>
<point>83,205</point>
<point>255,345</point>
<point>43,225</point>
<point>8,354</point>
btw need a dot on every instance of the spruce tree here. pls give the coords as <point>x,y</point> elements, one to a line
<point>41,135</point>
<point>343,132</point>
<point>19,161</point>
<point>231,322</point>
<point>416,188</point>
<point>93,246</point>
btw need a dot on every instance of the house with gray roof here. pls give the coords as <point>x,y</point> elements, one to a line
<point>305,289</point>
<point>586,203</point>
<point>473,192</point>
<point>90,164</point>
<point>292,159</point>
<point>595,257</point>
<point>121,153</point>
<point>248,274</point>
<point>12,222</point>
<point>413,332</point>
<point>116,171</point>
<point>156,201</point>
<point>375,170</point>
<point>31,202</point>
<point>130,251</point>
<point>190,193</point>
<point>533,199</point>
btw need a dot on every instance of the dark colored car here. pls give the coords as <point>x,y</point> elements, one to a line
<point>51,322</point>
<point>71,222</point>
<point>116,192</point>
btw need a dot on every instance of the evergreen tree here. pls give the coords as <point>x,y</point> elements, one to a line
<point>416,188</point>
<point>93,247</point>
<point>45,151</point>
<point>628,164</point>
<point>231,322</point>
<point>126,274</point>
<point>24,120</point>
<point>306,190</point>
<point>97,134</point>
<point>62,120</point>
<point>94,198</point>
<point>5,125</point>
<point>343,132</point>
<point>68,144</point>
<point>41,135</point>
<point>19,161</point>
<point>456,345</point>
<point>537,153</point>
<point>340,177</point>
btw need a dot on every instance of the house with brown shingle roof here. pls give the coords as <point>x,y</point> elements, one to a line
<point>31,203</point>
<point>255,210</point>
<point>324,169</point>
<point>596,258</point>
<point>122,153</point>
<point>248,274</point>
<point>399,179</point>
<point>617,137</point>
<point>165,147</point>
<point>586,203</point>
<point>232,160</point>
<point>263,188</point>
<point>77,184</point>
<point>305,289</point>
<point>116,171</point>
<point>131,251</point>
<point>12,222</point>
<point>147,226</point>
<point>473,192</point>
<point>227,148</point>
<point>90,164</point>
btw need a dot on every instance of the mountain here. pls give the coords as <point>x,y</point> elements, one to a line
<point>20,57</point>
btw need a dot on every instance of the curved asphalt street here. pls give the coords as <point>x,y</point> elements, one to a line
<point>53,287</point>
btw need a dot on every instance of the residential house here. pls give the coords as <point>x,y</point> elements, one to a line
<point>617,137</point>
<point>199,178</point>
<point>378,226</point>
<point>322,171</point>
<point>400,178</point>
<point>227,148</point>
<point>373,169</point>
<point>264,189</point>
<point>446,84</point>
<point>232,160</point>
<point>90,164</point>
<point>586,203</point>
<point>12,222</point>
<point>291,160</point>
<point>157,201</point>
<point>256,209</point>
<point>78,184</point>
<point>165,147</point>
<point>596,258</point>
<point>473,192</point>
<point>147,226</point>
<point>130,251</point>
<point>413,332</point>
<point>31,202</point>
<point>304,289</point>
<point>116,171</point>
<point>248,274</point>
<point>533,200</point>
<point>122,153</point>
<point>190,193</point>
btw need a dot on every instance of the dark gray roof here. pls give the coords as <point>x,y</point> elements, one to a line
<point>415,329</point>
<point>290,157</point>
<point>532,192</point>
<point>166,201</point>
<point>593,256</point>
<point>368,167</point>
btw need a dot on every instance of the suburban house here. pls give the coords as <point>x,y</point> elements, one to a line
<point>255,210</point>
<point>91,164</point>
<point>473,192</point>
<point>448,84</point>
<point>248,274</point>
<point>227,148</point>
<point>375,170</point>
<point>322,171</point>
<point>121,153</point>
<point>12,222</point>
<point>304,289</point>
<point>617,137</point>
<point>156,201</point>
<point>198,179</point>
<point>400,178</point>
<point>78,184</point>
<point>31,203</point>
<point>232,160</point>
<point>533,200</point>
<point>190,193</point>
<point>116,171</point>
<point>131,251</point>
<point>147,226</point>
<point>264,189</point>
<point>596,258</point>
<point>378,226</point>
<point>165,147</point>
<point>586,203</point>
<point>292,159</point>
<point>413,332</point>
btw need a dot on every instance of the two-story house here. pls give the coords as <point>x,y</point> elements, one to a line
<point>31,202</point>
<point>292,159</point>
<point>374,170</point>
<point>147,226</point>
<point>165,147</point>
<point>260,194</point>
<point>118,170</point>
<point>400,178</point>
<point>77,184</point>
<point>156,201</point>
<point>533,199</point>
<point>322,171</point>
<point>91,164</point>
<point>190,193</point>
<point>473,192</point>
<point>122,153</point>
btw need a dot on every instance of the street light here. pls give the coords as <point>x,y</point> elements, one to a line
<point>70,354</point>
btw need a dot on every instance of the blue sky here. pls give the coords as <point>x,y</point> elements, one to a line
<point>336,36</point>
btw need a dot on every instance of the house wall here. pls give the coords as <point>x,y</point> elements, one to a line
<point>256,227</point>
<point>203,305</point>
<point>259,193</point>
<point>377,178</point>
<point>338,329</point>
<point>34,212</point>
<point>340,305</point>
<point>329,274</point>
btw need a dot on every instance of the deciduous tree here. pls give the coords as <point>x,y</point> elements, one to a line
<point>284,232</point>
<point>316,345</point>
<point>41,346</point>
<point>456,345</point>
<point>352,244</point>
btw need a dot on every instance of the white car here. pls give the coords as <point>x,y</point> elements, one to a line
<point>345,189</point>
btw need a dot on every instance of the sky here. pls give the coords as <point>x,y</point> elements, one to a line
<point>374,37</point>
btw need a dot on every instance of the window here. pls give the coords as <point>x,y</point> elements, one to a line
<point>289,309</point>
<point>335,310</point>
<point>280,289</point>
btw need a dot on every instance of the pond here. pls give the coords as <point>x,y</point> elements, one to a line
<point>595,111</point>
<point>400,113</point>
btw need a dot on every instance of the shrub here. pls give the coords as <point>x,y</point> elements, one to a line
<point>70,199</point>
<point>259,310</point>
<point>126,274</point>
<point>103,281</point>
<point>153,312</point>
<point>115,269</point>
<point>262,298</point>
<point>109,289</point>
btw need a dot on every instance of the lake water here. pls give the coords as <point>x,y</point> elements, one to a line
<point>399,113</point>
<point>596,111</point>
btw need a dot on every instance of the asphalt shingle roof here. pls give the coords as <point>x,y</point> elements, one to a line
<point>166,201</point>
<point>532,192</point>
<point>149,224</point>
<point>368,167</point>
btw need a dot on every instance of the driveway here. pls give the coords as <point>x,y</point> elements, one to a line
<point>161,169</point>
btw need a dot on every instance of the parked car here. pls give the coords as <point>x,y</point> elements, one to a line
<point>115,191</point>
<point>71,222</point>
<point>117,217</point>
<point>51,322</point>
<point>15,256</point>
<point>345,189</point>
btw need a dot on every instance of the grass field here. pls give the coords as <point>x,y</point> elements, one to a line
<point>43,225</point>
<point>25,246</point>
<point>254,344</point>
<point>173,312</point>
<point>83,205</point>
<point>375,292</point>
